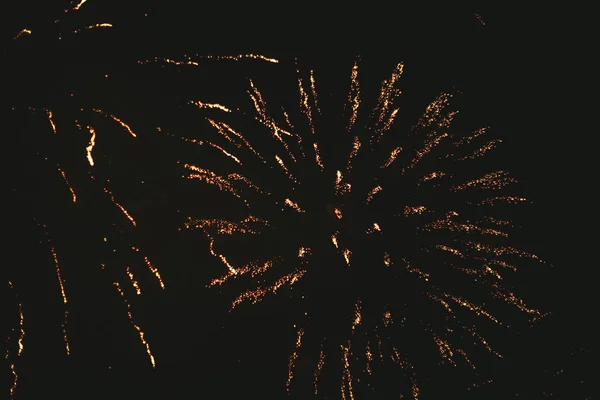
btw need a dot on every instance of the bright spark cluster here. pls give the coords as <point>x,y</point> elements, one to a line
<point>455,221</point>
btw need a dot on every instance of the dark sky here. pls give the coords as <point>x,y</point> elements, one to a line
<point>518,69</point>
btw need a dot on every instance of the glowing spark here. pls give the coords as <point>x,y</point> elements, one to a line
<point>347,253</point>
<point>293,358</point>
<point>200,104</point>
<point>51,120</point>
<point>62,173</point>
<point>60,280</point>
<point>78,6</point>
<point>101,25</point>
<point>334,240</point>
<point>152,268</point>
<point>135,326</point>
<point>240,57</point>
<point>135,284</point>
<point>22,33</point>
<point>293,205</point>
<point>494,181</point>
<point>338,213</point>
<point>354,96</point>
<point>123,210</point>
<point>346,386</point>
<point>357,315</point>
<point>479,18</point>
<point>19,345</point>
<point>320,366</point>
<point>392,157</point>
<point>64,331</point>
<point>117,120</point>
<point>373,192</point>
<point>91,146</point>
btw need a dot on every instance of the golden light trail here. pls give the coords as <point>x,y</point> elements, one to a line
<point>100,25</point>
<point>134,282</point>
<point>22,33</point>
<point>293,358</point>
<point>21,337</point>
<point>135,326</point>
<point>293,205</point>
<point>200,104</point>
<point>58,275</point>
<point>320,365</point>
<point>117,120</point>
<point>51,120</point>
<point>240,57</point>
<point>188,59</point>
<point>152,268</point>
<point>346,384</point>
<point>64,176</point>
<point>353,97</point>
<point>91,146</point>
<point>123,210</point>
<point>78,6</point>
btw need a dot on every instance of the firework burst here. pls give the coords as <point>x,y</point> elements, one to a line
<point>60,166</point>
<point>391,243</point>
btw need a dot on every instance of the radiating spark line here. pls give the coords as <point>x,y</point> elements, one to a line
<point>293,358</point>
<point>62,173</point>
<point>314,90</point>
<point>101,25</point>
<point>387,97</point>
<point>169,61</point>
<point>369,357</point>
<point>200,104</point>
<point>494,181</point>
<point>318,156</point>
<point>479,18</point>
<point>240,57</point>
<point>320,365</point>
<point>51,120</point>
<point>134,282</point>
<point>123,210</point>
<point>64,332</point>
<point>78,6</point>
<point>357,315</point>
<point>20,347</point>
<point>224,129</point>
<point>135,326</point>
<point>372,193</point>
<point>58,275</point>
<point>347,253</point>
<point>392,157</point>
<point>257,294</point>
<point>91,146</point>
<point>152,268</point>
<point>117,120</point>
<point>354,96</point>
<point>22,33</point>
<point>346,384</point>
<point>304,106</point>
<point>293,205</point>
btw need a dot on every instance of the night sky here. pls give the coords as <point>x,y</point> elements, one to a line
<point>517,70</point>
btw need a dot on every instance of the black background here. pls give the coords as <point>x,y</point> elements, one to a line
<point>522,71</point>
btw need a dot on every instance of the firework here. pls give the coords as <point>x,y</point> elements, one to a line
<point>391,240</point>
<point>60,165</point>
